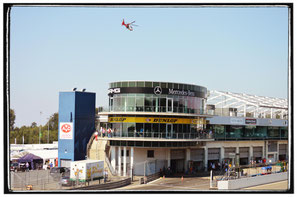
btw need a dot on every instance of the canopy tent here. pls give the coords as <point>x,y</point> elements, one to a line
<point>31,159</point>
<point>15,155</point>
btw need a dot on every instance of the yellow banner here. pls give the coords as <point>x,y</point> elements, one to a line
<point>158,120</point>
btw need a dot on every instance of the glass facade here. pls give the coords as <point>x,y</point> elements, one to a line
<point>248,132</point>
<point>154,103</point>
<point>136,126</point>
<point>140,96</point>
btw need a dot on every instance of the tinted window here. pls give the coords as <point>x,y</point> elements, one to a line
<point>150,153</point>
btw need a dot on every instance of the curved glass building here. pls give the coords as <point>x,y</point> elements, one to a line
<point>156,109</point>
<point>149,96</point>
<point>162,125</point>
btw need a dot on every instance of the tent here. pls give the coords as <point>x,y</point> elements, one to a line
<point>32,159</point>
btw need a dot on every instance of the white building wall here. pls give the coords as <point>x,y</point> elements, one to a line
<point>140,157</point>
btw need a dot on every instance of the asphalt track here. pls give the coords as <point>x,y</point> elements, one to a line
<point>195,184</point>
<point>170,184</point>
<point>278,186</point>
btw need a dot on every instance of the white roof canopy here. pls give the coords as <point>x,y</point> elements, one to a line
<point>255,106</point>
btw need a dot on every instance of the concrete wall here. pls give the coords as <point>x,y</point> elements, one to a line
<point>252,181</point>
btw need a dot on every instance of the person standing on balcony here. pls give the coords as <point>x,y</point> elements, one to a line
<point>109,131</point>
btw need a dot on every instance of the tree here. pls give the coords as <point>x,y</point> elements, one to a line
<point>11,119</point>
<point>53,122</point>
<point>33,125</point>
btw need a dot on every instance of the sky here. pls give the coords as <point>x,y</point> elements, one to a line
<point>54,49</point>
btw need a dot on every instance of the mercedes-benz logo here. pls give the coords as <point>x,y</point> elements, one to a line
<point>158,90</point>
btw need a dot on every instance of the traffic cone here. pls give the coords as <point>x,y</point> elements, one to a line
<point>182,178</point>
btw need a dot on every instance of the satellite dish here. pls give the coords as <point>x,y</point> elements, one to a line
<point>74,89</point>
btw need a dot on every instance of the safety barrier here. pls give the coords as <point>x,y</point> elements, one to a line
<point>106,186</point>
<point>149,178</point>
<point>252,181</point>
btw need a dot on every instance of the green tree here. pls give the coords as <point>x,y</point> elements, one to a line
<point>11,119</point>
<point>33,125</point>
<point>53,121</point>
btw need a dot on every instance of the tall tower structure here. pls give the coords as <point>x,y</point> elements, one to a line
<point>76,125</point>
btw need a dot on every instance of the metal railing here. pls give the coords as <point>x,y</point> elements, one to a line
<point>154,109</point>
<point>159,135</point>
<point>248,138</point>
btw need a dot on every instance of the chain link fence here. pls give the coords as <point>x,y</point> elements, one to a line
<point>37,179</point>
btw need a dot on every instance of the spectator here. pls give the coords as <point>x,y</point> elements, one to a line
<point>210,133</point>
<point>141,132</point>
<point>103,132</point>
<point>213,166</point>
<point>27,166</point>
<point>219,166</point>
<point>105,176</point>
<point>109,132</point>
<point>51,164</point>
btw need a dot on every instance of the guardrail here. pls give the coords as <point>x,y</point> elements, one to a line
<point>106,186</point>
<point>149,178</point>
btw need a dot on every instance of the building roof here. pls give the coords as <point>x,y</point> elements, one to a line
<point>259,106</point>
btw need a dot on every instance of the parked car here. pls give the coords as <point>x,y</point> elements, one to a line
<point>65,181</point>
<point>14,167</point>
<point>58,172</point>
<point>22,167</point>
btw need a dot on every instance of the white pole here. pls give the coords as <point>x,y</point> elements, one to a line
<point>39,134</point>
<point>40,127</point>
<point>125,161</point>
<point>119,160</point>
<point>48,131</point>
<point>131,161</point>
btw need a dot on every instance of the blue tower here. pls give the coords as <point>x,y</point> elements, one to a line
<point>76,125</point>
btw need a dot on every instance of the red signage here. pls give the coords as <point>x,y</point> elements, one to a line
<point>66,128</point>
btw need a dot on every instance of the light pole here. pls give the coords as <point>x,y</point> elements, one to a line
<point>39,133</point>
<point>48,130</point>
<point>40,127</point>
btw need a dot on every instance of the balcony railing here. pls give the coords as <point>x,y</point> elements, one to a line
<point>158,135</point>
<point>250,138</point>
<point>154,109</point>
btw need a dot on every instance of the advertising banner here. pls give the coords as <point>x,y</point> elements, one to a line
<point>66,130</point>
<point>157,120</point>
<point>250,121</point>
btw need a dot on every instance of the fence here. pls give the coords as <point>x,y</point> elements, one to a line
<point>106,186</point>
<point>39,179</point>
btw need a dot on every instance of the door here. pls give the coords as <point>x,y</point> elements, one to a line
<point>169,105</point>
<point>169,130</point>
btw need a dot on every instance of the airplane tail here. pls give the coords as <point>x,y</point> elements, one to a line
<point>123,23</point>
